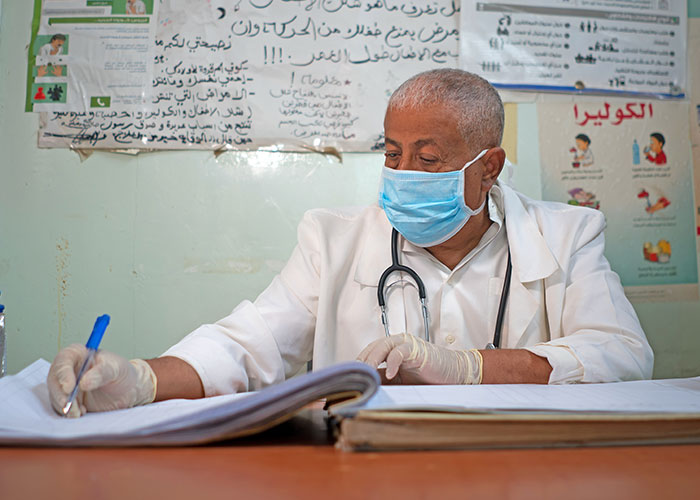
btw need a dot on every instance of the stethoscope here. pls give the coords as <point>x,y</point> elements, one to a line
<point>396,267</point>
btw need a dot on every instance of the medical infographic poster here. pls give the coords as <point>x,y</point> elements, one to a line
<point>630,159</point>
<point>90,54</point>
<point>608,46</point>
<point>694,112</point>
<point>287,75</point>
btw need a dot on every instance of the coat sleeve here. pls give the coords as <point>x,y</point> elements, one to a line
<point>261,343</point>
<point>602,340</point>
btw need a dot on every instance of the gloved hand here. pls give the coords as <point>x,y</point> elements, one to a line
<point>111,383</point>
<point>412,360</point>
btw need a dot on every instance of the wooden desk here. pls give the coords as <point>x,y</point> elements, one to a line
<point>297,460</point>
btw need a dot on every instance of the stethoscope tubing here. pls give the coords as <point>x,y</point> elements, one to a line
<point>396,267</point>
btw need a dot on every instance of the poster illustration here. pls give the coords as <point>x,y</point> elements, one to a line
<point>631,160</point>
<point>601,46</point>
<point>694,111</point>
<point>94,55</point>
<point>280,74</point>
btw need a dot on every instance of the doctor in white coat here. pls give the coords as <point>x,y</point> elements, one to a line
<point>565,316</point>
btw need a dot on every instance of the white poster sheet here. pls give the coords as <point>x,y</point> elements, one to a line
<point>596,46</point>
<point>91,54</point>
<point>629,159</point>
<point>272,73</point>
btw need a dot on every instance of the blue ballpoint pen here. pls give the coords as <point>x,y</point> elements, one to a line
<point>92,344</point>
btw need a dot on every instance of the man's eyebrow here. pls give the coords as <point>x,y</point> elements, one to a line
<point>424,142</point>
<point>419,143</point>
<point>388,140</point>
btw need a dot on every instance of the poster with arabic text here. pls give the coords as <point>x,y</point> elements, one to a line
<point>630,159</point>
<point>286,75</point>
<point>584,46</point>
<point>91,55</point>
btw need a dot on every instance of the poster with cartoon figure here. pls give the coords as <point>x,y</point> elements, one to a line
<point>694,111</point>
<point>89,56</point>
<point>639,177</point>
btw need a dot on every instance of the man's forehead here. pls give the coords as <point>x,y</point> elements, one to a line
<point>421,126</point>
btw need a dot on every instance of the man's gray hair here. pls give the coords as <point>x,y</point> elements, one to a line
<point>476,103</point>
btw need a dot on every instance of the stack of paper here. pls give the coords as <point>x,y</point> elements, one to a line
<point>26,416</point>
<point>497,416</point>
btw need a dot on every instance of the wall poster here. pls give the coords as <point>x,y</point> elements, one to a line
<point>694,115</point>
<point>286,75</point>
<point>90,54</point>
<point>601,46</point>
<point>631,160</point>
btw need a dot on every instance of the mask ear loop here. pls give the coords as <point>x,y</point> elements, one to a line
<point>473,212</point>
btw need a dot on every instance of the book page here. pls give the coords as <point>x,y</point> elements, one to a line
<point>26,416</point>
<point>27,410</point>
<point>642,396</point>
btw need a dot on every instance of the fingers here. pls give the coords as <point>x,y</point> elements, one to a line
<point>105,369</point>
<point>395,350</point>
<point>66,365</point>
<point>395,358</point>
<point>61,377</point>
<point>376,352</point>
<point>77,409</point>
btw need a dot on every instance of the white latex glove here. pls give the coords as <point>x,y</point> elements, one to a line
<point>111,383</point>
<point>412,360</point>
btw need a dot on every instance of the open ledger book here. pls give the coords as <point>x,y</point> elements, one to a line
<point>26,416</point>
<point>375,417</point>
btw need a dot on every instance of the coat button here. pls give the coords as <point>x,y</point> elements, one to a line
<point>450,339</point>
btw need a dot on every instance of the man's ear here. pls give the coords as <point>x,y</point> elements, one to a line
<point>493,164</point>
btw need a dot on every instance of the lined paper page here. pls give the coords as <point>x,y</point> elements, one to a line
<point>26,410</point>
<point>27,417</point>
<point>672,395</point>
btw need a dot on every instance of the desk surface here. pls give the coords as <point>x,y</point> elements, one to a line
<point>297,459</point>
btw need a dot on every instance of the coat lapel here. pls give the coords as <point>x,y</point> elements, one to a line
<point>533,261</point>
<point>375,250</point>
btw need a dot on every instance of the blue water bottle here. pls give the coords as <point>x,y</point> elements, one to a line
<point>635,153</point>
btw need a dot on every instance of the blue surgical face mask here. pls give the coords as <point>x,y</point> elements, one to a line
<point>426,208</point>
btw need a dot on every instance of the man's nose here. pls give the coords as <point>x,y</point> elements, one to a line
<point>406,163</point>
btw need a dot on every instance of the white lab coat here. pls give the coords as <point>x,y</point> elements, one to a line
<point>565,303</point>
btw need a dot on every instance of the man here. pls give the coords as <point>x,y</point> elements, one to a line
<point>135,7</point>
<point>566,319</point>
<point>54,48</point>
<point>654,152</point>
<point>583,156</point>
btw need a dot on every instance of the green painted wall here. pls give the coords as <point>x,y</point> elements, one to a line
<point>166,241</point>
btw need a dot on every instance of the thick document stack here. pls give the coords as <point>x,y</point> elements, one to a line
<point>374,417</point>
<point>512,416</point>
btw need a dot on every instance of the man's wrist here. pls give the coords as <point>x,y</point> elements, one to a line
<point>474,366</point>
<point>147,382</point>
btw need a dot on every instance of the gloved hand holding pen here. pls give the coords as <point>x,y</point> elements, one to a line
<point>111,383</point>
<point>412,360</point>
